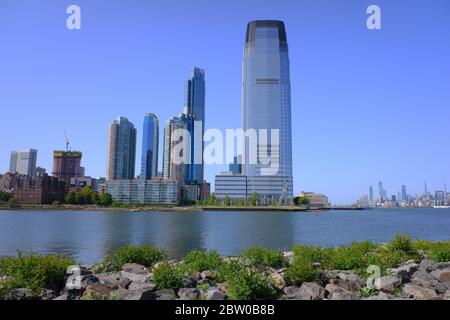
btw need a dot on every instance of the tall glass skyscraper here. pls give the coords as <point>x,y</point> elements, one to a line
<point>23,161</point>
<point>121,150</point>
<point>266,103</point>
<point>194,108</point>
<point>150,142</point>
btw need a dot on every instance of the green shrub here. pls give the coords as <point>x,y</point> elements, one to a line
<point>402,243</point>
<point>260,257</point>
<point>145,255</point>
<point>248,284</point>
<point>301,271</point>
<point>324,256</point>
<point>166,276</point>
<point>201,260</point>
<point>33,272</point>
<point>441,254</point>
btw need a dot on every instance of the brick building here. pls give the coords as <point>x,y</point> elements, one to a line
<point>39,189</point>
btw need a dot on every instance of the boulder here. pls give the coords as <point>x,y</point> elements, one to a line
<point>350,280</point>
<point>209,274</point>
<point>223,286</point>
<point>166,294</point>
<point>447,295</point>
<point>426,265</point>
<point>310,291</point>
<point>419,293</point>
<point>189,282</point>
<point>404,272</point>
<point>75,283</point>
<point>215,294</point>
<point>48,294</point>
<point>331,287</point>
<point>21,294</point>
<point>442,265</point>
<point>442,275</point>
<point>424,279</point>
<point>142,294</point>
<point>146,286</point>
<point>380,296</point>
<point>387,283</point>
<point>291,291</point>
<point>136,272</point>
<point>278,280</point>
<point>341,294</point>
<point>78,270</point>
<point>188,293</point>
<point>114,279</point>
<point>98,291</point>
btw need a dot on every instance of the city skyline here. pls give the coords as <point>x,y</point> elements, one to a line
<point>331,160</point>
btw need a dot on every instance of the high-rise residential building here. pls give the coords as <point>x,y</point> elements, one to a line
<point>121,150</point>
<point>172,138</point>
<point>23,162</point>
<point>66,164</point>
<point>267,105</point>
<point>150,145</point>
<point>194,108</point>
<point>381,192</point>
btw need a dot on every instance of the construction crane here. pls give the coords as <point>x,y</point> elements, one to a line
<point>67,141</point>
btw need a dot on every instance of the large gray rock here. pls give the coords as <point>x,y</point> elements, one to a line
<point>21,294</point>
<point>113,278</point>
<point>348,281</point>
<point>387,283</point>
<point>166,294</point>
<point>447,295</point>
<point>48,294</point>
<point>341,294</point>
<point>123,294</point>
<point>442,275</point>
<point>209,274</point>
<point>136,272</point>
<point>215,294</point>
<point>311,291</point>
<point>424,279</point>
<point>419,293</point>
<point>98,291</point>
<point>380,296</point>
<point>188,293</point>
<point>404,272</point>
<point>291,292</point>
<point>426,265</point>
<point>76,270</point>
<point>442,265</point>
<point>147,286</point>
<point>75,283</point>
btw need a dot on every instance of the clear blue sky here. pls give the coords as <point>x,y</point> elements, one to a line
<point>366,105</point>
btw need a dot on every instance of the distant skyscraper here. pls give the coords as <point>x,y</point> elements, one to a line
<point>194,107</point>
<point>267,105</point>
<point>66,164</point>
<point>172,170</point>
<point>23,161</point>
<point>121,150</point>
<point>381,192</point>
<point>371,195</point>
<point>404,194</point>
<point>150,142</point>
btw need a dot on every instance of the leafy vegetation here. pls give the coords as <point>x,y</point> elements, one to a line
<point>261,257</point>
<point>33,272</point>
<point>145,255</point>
<point>201,260</point>
<point>87,196</point>
<point>166,276</point>
<point>247,283</point>
<point>301,271</point>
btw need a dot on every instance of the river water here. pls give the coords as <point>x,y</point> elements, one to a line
<point>89,236</point>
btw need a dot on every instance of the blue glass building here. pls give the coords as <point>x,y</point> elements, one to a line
<point>150,142</point>
<point>194,109</point>
<point>267,105</point>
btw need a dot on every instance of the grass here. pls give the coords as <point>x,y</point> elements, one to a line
<point>34,272</point>
<point>261,257</point>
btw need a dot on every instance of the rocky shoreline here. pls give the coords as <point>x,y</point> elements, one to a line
<point>426,280</point>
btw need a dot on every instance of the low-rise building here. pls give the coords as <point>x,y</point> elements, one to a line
<point>38,189</point>
<point>316,200</point>
<point>155,191</point>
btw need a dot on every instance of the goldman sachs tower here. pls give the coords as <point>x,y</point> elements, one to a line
<point>266,103</point>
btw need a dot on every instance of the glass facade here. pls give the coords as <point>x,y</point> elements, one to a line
<point>150,139</point>
<point>267,105</point>
<point>194,108</point>
<point>121,150</point>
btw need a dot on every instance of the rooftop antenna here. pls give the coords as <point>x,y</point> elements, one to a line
<point>67,141</point>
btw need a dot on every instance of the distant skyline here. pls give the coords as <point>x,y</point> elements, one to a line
<point>366,105</point>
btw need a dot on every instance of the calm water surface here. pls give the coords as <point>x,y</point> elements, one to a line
<point>89,236</point>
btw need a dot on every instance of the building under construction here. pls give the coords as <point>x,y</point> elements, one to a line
<point>67,164</point>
